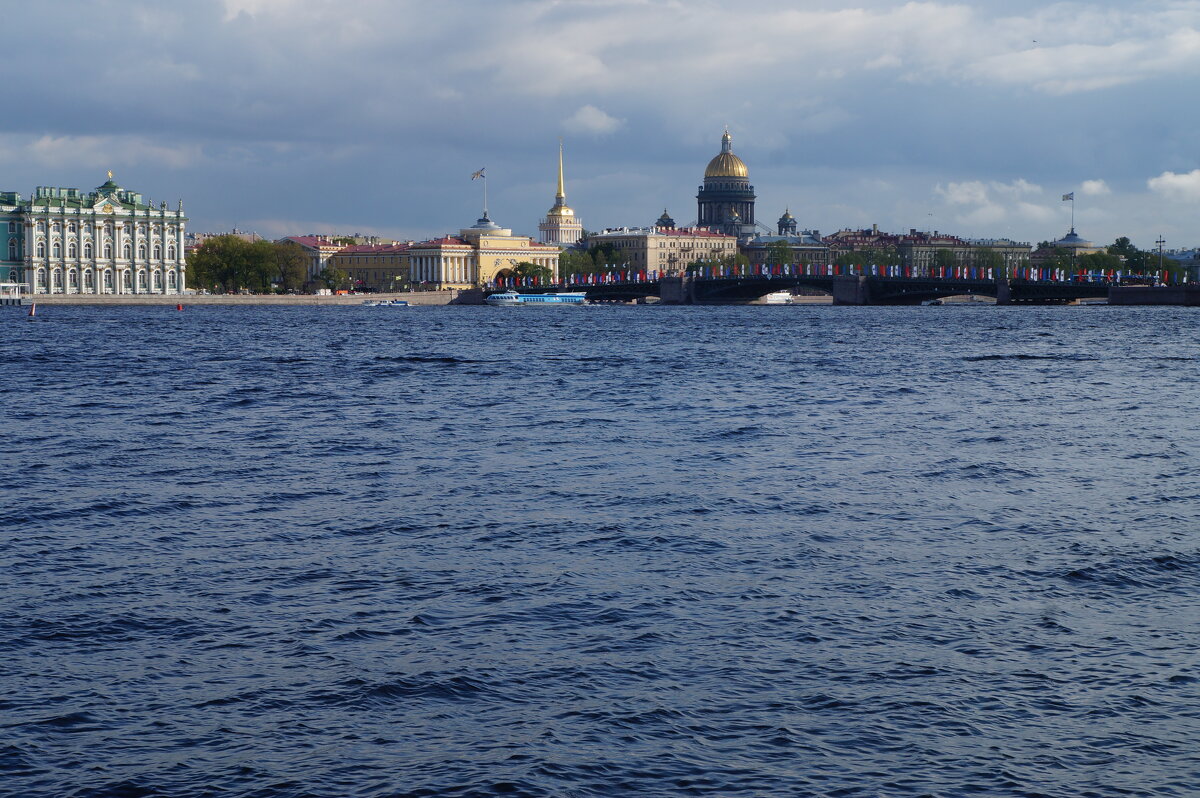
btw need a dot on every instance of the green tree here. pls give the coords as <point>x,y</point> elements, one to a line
<point>988,258</point>
<point>291,265</point>
<point>779,253</point>
<point>944,259</point>
<point>1098,261</point>
<point>336,279</point>
<point>543,274</point>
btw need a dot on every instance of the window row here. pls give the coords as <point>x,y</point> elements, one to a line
<point>72,251</point>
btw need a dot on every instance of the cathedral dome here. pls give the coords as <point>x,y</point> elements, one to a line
<point>726,164</point>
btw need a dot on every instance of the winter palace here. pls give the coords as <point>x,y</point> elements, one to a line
<point>106,241</point>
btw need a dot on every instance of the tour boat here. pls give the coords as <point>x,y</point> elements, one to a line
<point>511,298</point>
<point>386,303</point>
<point>778,298</point>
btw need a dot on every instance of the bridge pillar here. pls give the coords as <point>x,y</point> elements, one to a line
<point>850,289</point>
<point>677,290</point>
<point>1003,292</point>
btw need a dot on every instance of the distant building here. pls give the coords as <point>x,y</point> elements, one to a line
<point>193,240</point>
<point>561,226</point>
<point>478,255</point>
<point>665,250</point>
<point>374,267</point>
<point>1072,244</point>
<point>106,241</point>
<point>725,201</point>
<point>918,250</point>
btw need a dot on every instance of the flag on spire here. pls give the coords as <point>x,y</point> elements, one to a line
<point>477,175</point>
<point>1069,197</point>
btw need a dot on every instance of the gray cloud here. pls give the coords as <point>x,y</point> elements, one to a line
<point>373,113</point>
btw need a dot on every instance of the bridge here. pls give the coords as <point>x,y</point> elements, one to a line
<point>846,289</point>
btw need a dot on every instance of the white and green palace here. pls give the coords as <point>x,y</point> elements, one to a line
<point>107,241</point>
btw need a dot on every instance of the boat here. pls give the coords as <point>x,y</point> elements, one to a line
<point>510,298</point>
<point>778,298</point>
<point>10,294</point>
<point>386,303</point>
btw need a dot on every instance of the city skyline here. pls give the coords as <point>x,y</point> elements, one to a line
<point>285,117</point>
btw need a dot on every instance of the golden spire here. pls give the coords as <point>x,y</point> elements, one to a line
<point>562,194</point>
<point>110,174</point>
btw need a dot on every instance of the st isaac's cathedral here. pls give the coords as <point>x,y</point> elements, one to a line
<point>725,203</point>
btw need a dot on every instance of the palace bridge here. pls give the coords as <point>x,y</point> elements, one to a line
<point>846,289</point>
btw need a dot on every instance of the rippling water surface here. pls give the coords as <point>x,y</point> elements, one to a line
<point>600,551</point>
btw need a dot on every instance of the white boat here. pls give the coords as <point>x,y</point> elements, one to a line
<point>10,294</point>
<point>511,298</point>
<point>778,298</point>
<point>386,303</point>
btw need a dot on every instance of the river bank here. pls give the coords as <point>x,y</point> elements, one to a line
<point>413,298</point>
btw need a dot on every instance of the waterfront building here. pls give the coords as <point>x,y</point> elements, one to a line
<point>725,201</point>
<point>561,226</point>
<point>320,250</point>
<point>193,240</point>
<point>666,250</point>
<point>106,241</point>
<point>478,255</point>
<point>374,267</point>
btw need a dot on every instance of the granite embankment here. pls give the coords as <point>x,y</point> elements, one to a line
<point>414,298</point>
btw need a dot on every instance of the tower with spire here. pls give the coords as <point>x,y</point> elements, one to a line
<point>561,226</point>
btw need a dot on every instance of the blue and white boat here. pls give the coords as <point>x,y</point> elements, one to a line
<point>511,298</point>
<point>386,303</point>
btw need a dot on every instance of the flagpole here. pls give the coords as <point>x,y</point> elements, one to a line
<point>485,213</point>
<point>1072,206</point>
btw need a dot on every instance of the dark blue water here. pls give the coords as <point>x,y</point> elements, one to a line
<point>600,552</point>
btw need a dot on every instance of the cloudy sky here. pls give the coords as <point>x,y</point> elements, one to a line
<point>294,116</point>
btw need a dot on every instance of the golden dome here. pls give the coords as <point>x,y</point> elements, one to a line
<point>726,164</point>
<point>560,210</point>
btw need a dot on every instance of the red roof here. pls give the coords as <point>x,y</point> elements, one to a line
<point>442,242</point>
<point>366,249</point>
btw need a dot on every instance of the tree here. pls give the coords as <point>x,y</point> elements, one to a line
<point>944,259</point>
<point>291,264</point>
<point>543,274</point>
<point>1099,262</point>
<point>988,258</point>
<point>334,278</point>
<point>779,253</point>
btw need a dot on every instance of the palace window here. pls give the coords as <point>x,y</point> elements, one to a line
<point>141,251</point>
<point>12,249</point>
<point>71,227</point>
<point>56,228</point>
<point>87,280</point>
<point>171,252</point>
<point>41,227</point>
<point>87,249</point>
<point>57,250</point>
<point>71,250</point>
<point>41,249</point>
<point>127,252</point>
<point>157,252</point>
<point>108,250</point>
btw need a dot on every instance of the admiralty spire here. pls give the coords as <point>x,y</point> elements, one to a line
<point>561,226</point>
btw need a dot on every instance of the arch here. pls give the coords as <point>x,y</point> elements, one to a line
<point>87,249</point>
<point>56,250</point>
<point>141,251</point>
<point>107,250</point>
<point>157,252</point>
<point>72,250</point>
<point>12,249</point>
<point>171,252</point>
<point>41,249</point>
<point>127,252</point>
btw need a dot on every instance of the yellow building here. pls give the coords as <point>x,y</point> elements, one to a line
<point>382,267</point>
<point>666,250</point>
<point>478,255</point>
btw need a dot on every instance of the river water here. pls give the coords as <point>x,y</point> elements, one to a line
<point>644,551</point>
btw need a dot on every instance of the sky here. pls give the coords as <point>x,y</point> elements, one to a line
<point>369,116</point>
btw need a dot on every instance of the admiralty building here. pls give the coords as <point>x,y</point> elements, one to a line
<point>105,241</point>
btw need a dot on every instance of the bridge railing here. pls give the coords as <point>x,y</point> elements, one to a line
<point>1023,274</point>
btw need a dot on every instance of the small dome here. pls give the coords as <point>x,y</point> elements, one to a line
<point>561,210</point>
<point>787,216</point>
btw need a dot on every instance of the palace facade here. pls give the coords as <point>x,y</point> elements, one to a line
<point>666,250</point>
<point>106,241</point>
